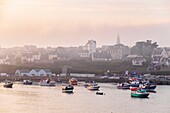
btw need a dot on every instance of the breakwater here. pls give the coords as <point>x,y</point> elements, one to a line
<point>66,79</point>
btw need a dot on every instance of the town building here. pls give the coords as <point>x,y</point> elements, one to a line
<point>33,72</point>
<point>118,51</point>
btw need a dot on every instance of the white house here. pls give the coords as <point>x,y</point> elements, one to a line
<point>52,56</point>
<point>91,46</point>
<point>118,51</point>
<point>30,57</point>
<point>45,72</point>
<point>20,72</point>
<point>138,61</point>
<point>7,59</point>
<point>158,55</point>
<point>36,56</point>
<point>34,72</point>
<point>84,55</point>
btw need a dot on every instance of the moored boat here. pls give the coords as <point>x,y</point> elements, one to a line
<point>134,84</point>
<point>123,86</point>
<point>27,82</point>
<point>93,87</point>
<point>148,87</point>
<point>88,83</point>
<point>8,84</point>
<point>134,88</point>
<point>100,93</point>
<point>139,94</point>
<point>47,82</point>
<point>73,81</point>
<point>68,89</point>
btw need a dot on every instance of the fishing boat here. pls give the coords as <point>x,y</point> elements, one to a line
<point>134,84</point>
<point>27,82</point>
<point>134,88</point>
<point>73,81</point>
<point>93,87</point>
<point>8,84</point>
<point>88,83</point>
<point>68,89</point>
<point>47,82</point>
<point>148,87</point>
<point>123,86</point>
<point>139,94</point>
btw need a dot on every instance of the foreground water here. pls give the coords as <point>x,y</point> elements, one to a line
<point>37,99</point>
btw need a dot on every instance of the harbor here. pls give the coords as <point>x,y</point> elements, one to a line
<point>39,99</point>
<point>159,80</point>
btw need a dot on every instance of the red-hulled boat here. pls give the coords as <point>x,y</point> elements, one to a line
<point>73,81</point>
<point>134,88</point>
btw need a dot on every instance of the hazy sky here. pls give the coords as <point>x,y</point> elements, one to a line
<point>73,22</point>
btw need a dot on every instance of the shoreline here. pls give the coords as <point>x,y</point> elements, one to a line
<point>81,79</point>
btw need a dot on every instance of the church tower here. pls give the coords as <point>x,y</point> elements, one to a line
<point>118,39</point>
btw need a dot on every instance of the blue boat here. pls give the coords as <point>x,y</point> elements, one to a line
<point>134,84</point>
<point>148,87</point>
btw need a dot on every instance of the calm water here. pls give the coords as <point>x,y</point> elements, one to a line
<point>37,99</point>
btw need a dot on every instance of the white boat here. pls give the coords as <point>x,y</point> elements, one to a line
<point>93,86</point>
<point>27,82</point>
<point>47,83</point>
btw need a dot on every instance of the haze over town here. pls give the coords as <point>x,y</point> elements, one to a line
<point>71,23</point>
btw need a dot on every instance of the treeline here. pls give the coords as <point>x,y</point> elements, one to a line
<point>144,48</point>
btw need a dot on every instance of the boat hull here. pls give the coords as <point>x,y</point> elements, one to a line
<point>140,95</point>
<point>99,93</point>
<point>47,84</point>
<point>73,81</point>
<point>93,88</point>
<point>8,85</point>
<point>122,87</point>
<point>134,88</point>
<point>150,88</point>
<point>26,82</point>
<point>67,91</point>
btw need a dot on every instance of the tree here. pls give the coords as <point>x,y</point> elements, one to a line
<point>144,49</point>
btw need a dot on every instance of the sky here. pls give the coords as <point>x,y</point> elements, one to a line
<point>73,22</point>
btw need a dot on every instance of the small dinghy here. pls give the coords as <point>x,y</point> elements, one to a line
<point>100,93</point>
<point>47,82</point>
<point>68,89</point>
<point>8,84</point>
<point>27,82</point>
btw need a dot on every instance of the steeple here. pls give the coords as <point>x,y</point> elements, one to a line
<point>118,39</point>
